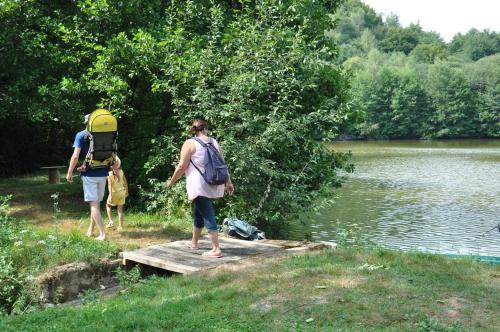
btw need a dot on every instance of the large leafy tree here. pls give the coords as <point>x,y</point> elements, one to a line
<point>261,72</point>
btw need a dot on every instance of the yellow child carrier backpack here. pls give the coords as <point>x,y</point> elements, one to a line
<point>102,132</point>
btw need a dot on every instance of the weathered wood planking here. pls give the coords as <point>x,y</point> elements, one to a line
<point>176,257</point>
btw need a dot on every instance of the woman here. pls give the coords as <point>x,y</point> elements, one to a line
<point>199,192</point>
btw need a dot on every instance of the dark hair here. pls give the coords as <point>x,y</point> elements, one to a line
<point>198,125</point>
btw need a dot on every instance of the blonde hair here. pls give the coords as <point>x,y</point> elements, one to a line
<point>118,162</point>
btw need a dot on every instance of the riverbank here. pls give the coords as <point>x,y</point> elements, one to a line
<point>344,289</point>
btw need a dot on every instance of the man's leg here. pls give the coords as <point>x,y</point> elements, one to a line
<point>95,212</point>
<point>90,230</point>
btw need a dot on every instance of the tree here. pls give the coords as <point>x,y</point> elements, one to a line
<point>456,105</point>
<point>475,44</point>
<point>262,73</point>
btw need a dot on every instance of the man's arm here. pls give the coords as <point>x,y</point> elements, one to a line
<point>72,164</point>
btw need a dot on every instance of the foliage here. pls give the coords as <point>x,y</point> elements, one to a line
<point>262,73</point>
<point>89,296</point>
<point>407,83</point>
<point>128,278</point>
<point>475,44</point>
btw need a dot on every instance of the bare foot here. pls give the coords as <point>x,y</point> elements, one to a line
<point>101,237</point>
<point>212,254</point>
<point>110,224</point>
<point>89,232</point>
<point>192,246</point>
<point>119,228</point>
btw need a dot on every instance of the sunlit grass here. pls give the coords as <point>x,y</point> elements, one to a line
<point>33,200</point>
<point>282,294</point>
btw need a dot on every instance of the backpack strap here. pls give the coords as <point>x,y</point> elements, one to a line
<point>200,141</point>
<point>203,144</point>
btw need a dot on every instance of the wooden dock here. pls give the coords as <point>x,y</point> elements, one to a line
<point>177,257</point>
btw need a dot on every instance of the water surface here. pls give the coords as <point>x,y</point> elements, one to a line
<point>437,196</point>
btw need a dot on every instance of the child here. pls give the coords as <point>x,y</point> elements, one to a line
<point>118,191</point>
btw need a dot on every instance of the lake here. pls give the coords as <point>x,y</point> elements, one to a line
<point>435,196</point>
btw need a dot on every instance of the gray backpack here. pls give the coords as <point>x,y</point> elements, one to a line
<point>215,169</point>
<point>241,229</point>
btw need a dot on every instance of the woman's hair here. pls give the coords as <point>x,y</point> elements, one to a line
<point>198,125</point>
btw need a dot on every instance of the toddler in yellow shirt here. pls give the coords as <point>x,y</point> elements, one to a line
<point>118,191</point>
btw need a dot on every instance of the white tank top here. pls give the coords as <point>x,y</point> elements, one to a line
<point>195,184</point>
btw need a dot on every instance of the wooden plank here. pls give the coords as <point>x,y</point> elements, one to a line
<point>249,243</point>
<point>156,262</point>
<point>205,245</point>
<point>197,257</point>
<point>175,256</point>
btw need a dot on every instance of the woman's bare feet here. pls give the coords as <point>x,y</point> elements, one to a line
<point>110,224</point>
<point>101,237</point>
<point>192,246</point>
<point>212,254</point>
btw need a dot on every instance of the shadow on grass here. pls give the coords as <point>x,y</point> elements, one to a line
<point>168,232</point>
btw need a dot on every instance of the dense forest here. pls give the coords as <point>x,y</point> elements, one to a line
<point>409,83</point>
<point>263,73</point>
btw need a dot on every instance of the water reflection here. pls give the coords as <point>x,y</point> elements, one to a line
<point>438,196</point>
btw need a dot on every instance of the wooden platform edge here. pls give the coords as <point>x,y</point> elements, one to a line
<point>159,263</point>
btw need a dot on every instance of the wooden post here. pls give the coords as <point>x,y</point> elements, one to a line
<point>54,176</point>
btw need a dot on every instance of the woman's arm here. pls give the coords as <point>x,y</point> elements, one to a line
<point>229,183</point>
<point>188,148</point>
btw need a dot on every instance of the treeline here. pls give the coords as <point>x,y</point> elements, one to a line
<point>262,73</point>
<point>409,83</point>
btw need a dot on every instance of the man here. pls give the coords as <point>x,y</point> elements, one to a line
<point>94,181</point>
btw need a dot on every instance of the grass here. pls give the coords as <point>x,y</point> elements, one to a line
<point>341,290</point>
<point>43,226</point>
<point>349,289</point>
<point>33,200</point>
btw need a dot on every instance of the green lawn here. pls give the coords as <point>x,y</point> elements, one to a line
<point>61,208</point>
<point>339,290</point>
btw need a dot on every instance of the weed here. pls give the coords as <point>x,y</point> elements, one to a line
<point>55,204</point>
<point>130,278</point>
<point>89,296</point>
<point>431,324</point>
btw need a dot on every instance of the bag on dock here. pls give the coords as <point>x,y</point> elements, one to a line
<point>241,229</point>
